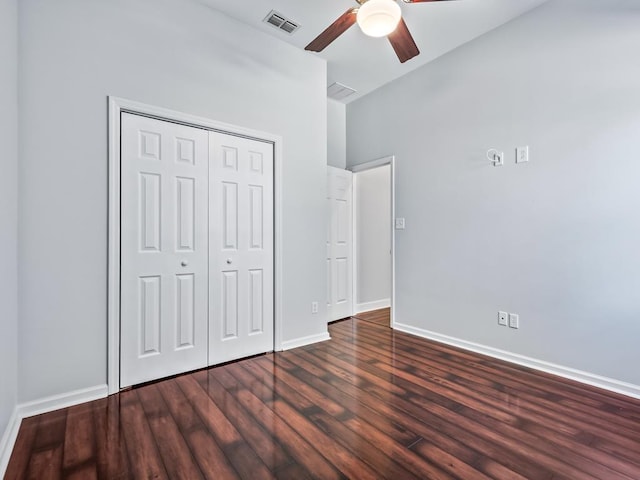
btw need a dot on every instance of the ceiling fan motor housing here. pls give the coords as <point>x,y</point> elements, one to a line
<point>378,18</point>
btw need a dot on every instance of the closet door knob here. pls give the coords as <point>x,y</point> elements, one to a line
<point>184,263</point>
<point>229,261</point>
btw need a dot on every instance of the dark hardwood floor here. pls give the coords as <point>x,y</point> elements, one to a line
<point>380,316</point>
<point>369,404</point>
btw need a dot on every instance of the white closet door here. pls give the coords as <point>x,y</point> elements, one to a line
<point>164,281</point>
<point>241,247</point>
<point>339,244</point>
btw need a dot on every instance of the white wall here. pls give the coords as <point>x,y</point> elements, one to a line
<point>555,240</point>
<point>336,134</point>
<point>8,211</point>
<point>372,190</point>
<point>176,54</point>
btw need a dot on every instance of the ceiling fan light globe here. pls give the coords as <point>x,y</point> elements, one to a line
<point>378,18</point>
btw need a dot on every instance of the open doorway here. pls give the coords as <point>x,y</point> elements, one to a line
<point>373,241</point>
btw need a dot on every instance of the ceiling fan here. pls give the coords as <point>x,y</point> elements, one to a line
<point>376,18</point>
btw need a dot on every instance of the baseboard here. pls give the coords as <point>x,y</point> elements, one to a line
<point>375,305</point>
<point>302,341</point>
<point>9,440</point>
<point>605,383</point>
<point>63,400</point>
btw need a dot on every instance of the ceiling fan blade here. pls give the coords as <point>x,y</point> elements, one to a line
<point>403,43</point>
<point>333,31</point>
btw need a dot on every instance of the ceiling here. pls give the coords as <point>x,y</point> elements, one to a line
<point>364,63</point>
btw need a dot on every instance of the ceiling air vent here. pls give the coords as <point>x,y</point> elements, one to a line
<point>338,91</point>
<point>281,22</point>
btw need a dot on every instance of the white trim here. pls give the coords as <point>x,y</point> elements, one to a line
<point>392,162</point>
<point>113,254</point>
<point>380,162</point>
<point>302,341</point>
<point>9,440</point>
<point>278,265</point>
<point>116,107</point>
<point>354,243</point>
<point>605,383</point>
<point>63,400</point>
<point>375,305</point>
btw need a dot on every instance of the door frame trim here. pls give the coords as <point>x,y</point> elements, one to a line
<point>361,167</point>
<point>116,106</point>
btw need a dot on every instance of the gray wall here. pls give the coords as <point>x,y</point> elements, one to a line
<point>336,134</point>
<point>555,240</point>
<point>372,193</point>
<point>171,53</point>
<point>8,210</point>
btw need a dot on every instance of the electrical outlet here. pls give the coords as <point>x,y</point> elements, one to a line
<point>514,320</point>
<point>502,318</point>
<point>314,307</point>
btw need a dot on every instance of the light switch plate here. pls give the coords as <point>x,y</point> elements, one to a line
<point>522,154</point>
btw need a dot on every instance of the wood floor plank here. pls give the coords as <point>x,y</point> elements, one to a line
<point>305,453</point>
<point>111,454</point>
<point>369,403</point>
<point>80,439</point>
<point>48,447</point>
<point>51,430</point>
<point>293,472</point>
<point>83,472</point>
<point>212,460</point>
<point>45,464</point>
<point>556,432</point>
<point>466,410</point>
<point>368,431</point>
<point>296,418</point>
<point>207,453</point>
<point>243,459</point>
<point>537,411</point>
<point>379,317</point>
<point>314,396</point>
<point>474,375</point>
<point>302,370</point>
<point>179,406</point>
<point>176,456</point>
<point>524,377</point>
<point>451,463</point>
<point>19,461</point>
<point>324,417</point>
<point>144,456</point>
<point>350,466</point>
<point>264,444</point>
<point>424,422</point>
<point>379,451</point>
<point>215,420</point>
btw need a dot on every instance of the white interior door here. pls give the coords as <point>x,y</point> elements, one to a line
<point>164,278</point>
<point>339,244</point>
<point>241,247</point>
